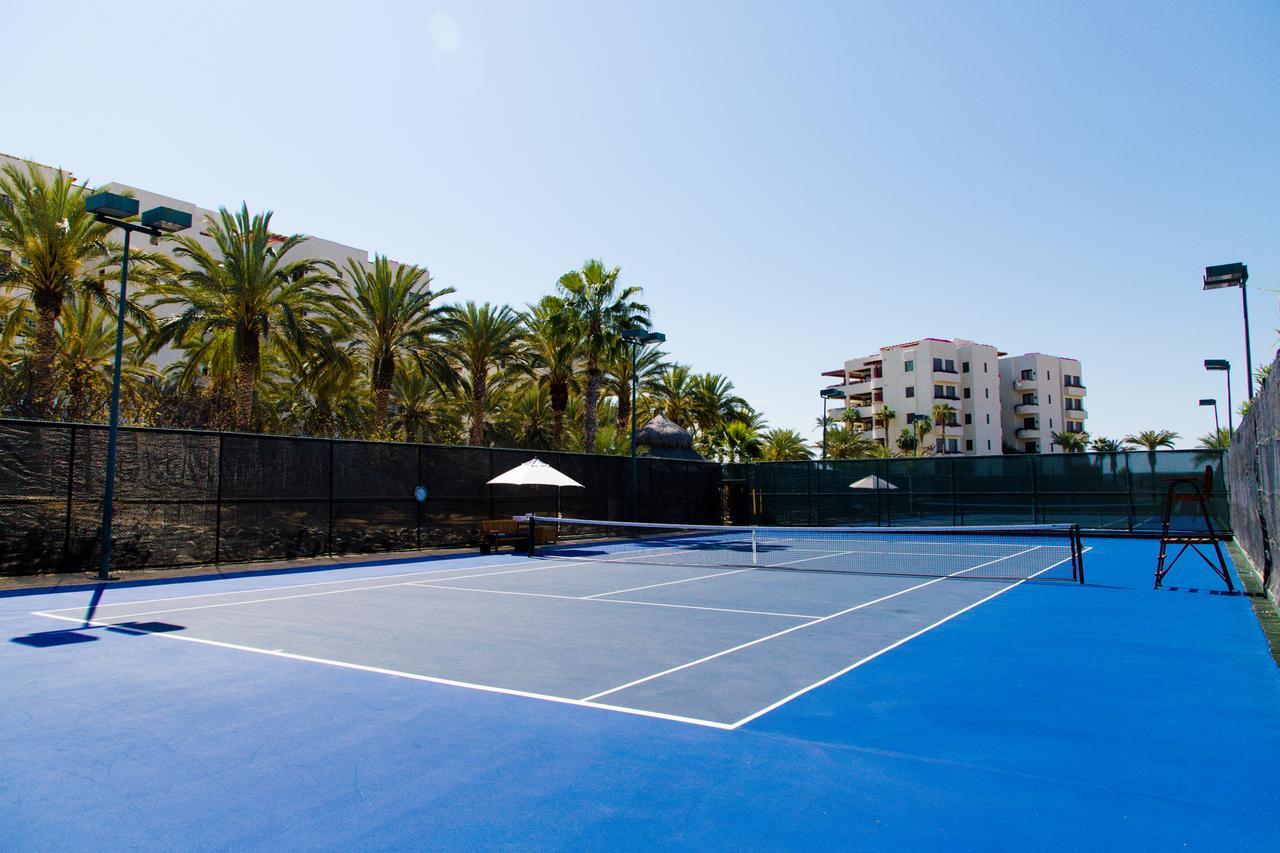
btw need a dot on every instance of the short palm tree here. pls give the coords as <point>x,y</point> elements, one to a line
<point>1102,444</point>
<point>1220,439</point>
<point>1071,442</point>
<point>907,441</point>
<point>1152,439</point>
<point>922,427</point>
<point>886,415</point>
<point>249,294</point>
<point>86,361</point>
<point>672,395</point>
<point>554,350</point>
<point>944,415</point>
<point>714,402</point>
<point>846,443</point>
<point>784,445</point>
<point>734,441</point>
<point>388,316</point>
<point>486,341</point>
<point>59,249</point>
<point>600,309</point>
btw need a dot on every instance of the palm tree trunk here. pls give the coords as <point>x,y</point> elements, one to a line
<point>591,397</point>
<point>478,395</point>
<point>46,346</point>
<point>624,409</point>
<point>246,371</point>
<point>384,372</point>
<point>559,402</point>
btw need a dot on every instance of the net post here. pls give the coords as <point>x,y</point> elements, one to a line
<point>532,550</point>
<point>754,559</point>
<point>1077,554</point>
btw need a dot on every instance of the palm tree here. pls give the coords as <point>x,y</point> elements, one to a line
<point>672,395</point>
<point>784,445</point>
<point>554,352</point>
<point>1152,439</point>
<point>421,411</point>
<point>846,443</point>
<point>601,310</point>
<point>1102,444</point>
<point>86,361</point>
<point>1217,440</point>
<point>60,249</point>
<point>907,441</point>
<point>944,415</point>
<point>486,341</point>
<point>886,416</point>
<point>715,403</point>
<point>923,426</point>
<point>734,441</point>
<point>388,316</point>
<point>1071,442</point>
<point>250,295</point>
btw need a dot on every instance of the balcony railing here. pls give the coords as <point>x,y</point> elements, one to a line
<point>1024,384</point>
<point>1027,409</point>
<point>1028,432</point>
<point>950,370</point>
<point>1073,390</point>
<point>945,396</point>
<point>1076,414</point>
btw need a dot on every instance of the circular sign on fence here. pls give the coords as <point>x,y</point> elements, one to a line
<point>420,493</point>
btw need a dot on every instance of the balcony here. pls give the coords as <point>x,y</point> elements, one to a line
<point>952,397</point>
<point>1027,409</point>
<point>946,371</point>
<point>1024,385</point>
<point>1027,432</point>
<point>1076,414</point>
<point>1073,390</point>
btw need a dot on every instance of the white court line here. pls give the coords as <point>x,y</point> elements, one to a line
<point>611,600</point>
<point>273,588</point>
<point>777,634</point>
<point>669,583</point>
<point>290,597</point>
<point>413,676</point>
<point>890,647</point>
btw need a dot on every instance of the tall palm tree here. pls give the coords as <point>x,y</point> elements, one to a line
<point>60,249</point>
<point>1152,439</point>
<point>86,361</point>
<point>1220,439</point>
<point>251,294</point>
<point>944,415</point>
<point>554,352</point>
<point>601,309</point>
<point>1071,442</point>
<point>784,445</point>
<point>886,415</point>
<point>922,427</point>
<point>388,316</point>
<point>714,402</point>
<point>486,341</point>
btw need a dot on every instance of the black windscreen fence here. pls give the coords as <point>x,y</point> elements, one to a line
<point>1255,480</point>
<point>1120,493</point>
<point>195,498</point>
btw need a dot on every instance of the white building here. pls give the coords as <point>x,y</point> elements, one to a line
<point>911,378</point>
<point>1045,395</point>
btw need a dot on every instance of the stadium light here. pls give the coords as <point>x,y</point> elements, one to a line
<point>1217,427</point>
<point>114,209</point>
<point>637,338</point>
<point>1234,275</point>
<point>1223,364</point>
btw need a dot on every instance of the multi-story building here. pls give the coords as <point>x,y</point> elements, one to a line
<point>1000,404</point>
<point>1045,396</point>
<point>911,378</point>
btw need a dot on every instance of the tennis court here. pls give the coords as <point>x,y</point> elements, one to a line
<point>648,687</point>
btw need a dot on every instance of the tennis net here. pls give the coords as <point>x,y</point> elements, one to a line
<point>1044,551</point>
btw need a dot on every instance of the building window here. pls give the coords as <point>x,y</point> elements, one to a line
<point>966,393</point>
<point>908,366</point>
<point>1050,423</point>
<point>939,446</point>
<point>968,419</point>
<point>953,445</point>
<point>949,365</point>
<point>988,423</point>
<point>1050,399</point>
<point>937,364</point>
<point>988,444</point>
<point>1028,423</point>
<point>986,393</point>
<point>911,418</point>
<point>1028,374</point>
<point>1031,447</point>
<point>964,367</point>
<point>984,367</point>
<point>911,389</point>
<point>1048,374</point>
<point>968,444</point>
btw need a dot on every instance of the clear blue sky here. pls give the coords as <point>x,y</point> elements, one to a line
<point>792,184</point>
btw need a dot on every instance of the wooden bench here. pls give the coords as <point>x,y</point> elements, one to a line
<point>507,530</point>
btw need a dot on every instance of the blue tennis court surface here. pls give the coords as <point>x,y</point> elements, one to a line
<point>507,701</point>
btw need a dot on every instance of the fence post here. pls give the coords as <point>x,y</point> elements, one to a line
<point>1128,476</point>
<point>1035,489</point>
<point>329,535</point>
<point>417,533</point>
<point>955,507</point>
<point>71,482</point>
<point>808,485</point>
<point>217,515</point>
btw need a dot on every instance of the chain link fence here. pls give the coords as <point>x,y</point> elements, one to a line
<point>1255,480</point>
<point>196,498</point>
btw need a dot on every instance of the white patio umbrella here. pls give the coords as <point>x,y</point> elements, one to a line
<point>877,484</point>
<point>534,473</point>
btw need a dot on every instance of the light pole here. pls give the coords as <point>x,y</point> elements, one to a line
<point>828,394</point>
<point>1234,275</point>
<point>1223,364</point>
<point>1217,427</point>
<point>113,210</point>
<point>637,338</point>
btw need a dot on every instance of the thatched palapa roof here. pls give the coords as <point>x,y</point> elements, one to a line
<point>666,440</point>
